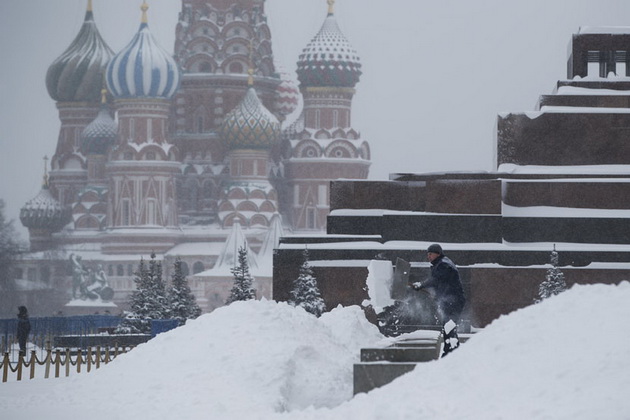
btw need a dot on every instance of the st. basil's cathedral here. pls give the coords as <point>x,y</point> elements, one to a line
<point>189,155</point>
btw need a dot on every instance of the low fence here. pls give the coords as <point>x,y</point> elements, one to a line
<point>57,363</point>
<point>44,329</point>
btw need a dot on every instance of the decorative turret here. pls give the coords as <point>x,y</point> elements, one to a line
<point>77,75</point>
<point>74,81</point>
<point>143,164</point>
<point>287,96</point>
<point>143,68</point>
<point>329,60</point>
<point>101,133</point>
<point>250,125</point>
<point>321,144</point>
<point>43,215</point>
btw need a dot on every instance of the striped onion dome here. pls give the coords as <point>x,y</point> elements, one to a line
<point>329,60</point>
<point>143,68</point>
<point>287,96</point>
<point>101,133</point>
<point>44,212</point>
<point>250,125</point>
<point>77,75</point>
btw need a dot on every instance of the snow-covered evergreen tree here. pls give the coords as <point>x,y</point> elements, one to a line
<point>305,292</point>
<point>182,302</point>
<point>242,289</point>
<point>148,301</point>
<point>554,280</point>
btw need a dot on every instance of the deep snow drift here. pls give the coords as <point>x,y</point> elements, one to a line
<point>568,357</point>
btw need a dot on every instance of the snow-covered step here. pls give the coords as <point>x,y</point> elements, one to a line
<point>413,354</point>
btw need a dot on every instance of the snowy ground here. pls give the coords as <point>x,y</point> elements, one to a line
<point>566,358</point>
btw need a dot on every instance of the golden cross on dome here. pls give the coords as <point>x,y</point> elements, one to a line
<point>45,171</point>
<point>89,6</point>
<point>144,9</point>
<point>250,79</point>
<point>331,7</point>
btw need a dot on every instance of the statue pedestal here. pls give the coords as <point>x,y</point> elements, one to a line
<point>90,307</point>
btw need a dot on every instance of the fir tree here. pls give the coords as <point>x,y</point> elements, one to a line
<point>305,292</point>
<point>554,281</point>
<point>182,302</point>
<point>148,301</point>
<point>242,289</point>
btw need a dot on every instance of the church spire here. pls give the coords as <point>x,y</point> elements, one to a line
<point>45,182</point>
<point>144,9</point>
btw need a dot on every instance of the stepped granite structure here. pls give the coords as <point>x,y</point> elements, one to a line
<point>562,179</point>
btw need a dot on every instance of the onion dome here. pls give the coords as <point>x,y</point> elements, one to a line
<point>250,125</point>
<point>77,75</point>
<point>287,95</point>
<point>101,133</point>
<point>143,68</point>
<point>44,211</point>
<point>329,59</point>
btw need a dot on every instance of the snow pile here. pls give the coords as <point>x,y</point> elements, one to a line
<point>565,358</point>
<point>379,282</point>
<point>249,357</point>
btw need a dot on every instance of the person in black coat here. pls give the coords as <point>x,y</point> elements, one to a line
<point>23,328</point>
<point>449,294</point>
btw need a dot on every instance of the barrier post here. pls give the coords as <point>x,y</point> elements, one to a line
<point>19,366</point>
<point>89,359</point>
<point>33,362</point>
<point>48,359</point>
<point>5,367</point>
<point>68,362</point>
<point>79,361</point>
<point>57,363</point>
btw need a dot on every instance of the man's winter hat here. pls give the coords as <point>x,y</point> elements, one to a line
<point>435,248</point>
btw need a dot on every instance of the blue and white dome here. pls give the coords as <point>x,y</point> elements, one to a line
<point>143,68</point>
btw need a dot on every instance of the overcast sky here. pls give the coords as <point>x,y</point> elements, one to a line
<point>436,73</point>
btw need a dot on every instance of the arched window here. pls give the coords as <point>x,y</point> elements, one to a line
<point>205,67</point>
<point>185,269</point>
<point>120,270</point>
<point>198,267</point>
<point>130,270</point>
<point>236,67</point>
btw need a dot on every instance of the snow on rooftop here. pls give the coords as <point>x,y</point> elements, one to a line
<point>574,90</point>
<point>604,30</point>
<point>196,248</point>
<point>421,247</point>
<point>563,212</point>
<point>565,170</point>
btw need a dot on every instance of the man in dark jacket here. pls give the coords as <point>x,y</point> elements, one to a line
<point>23,328</point>
<point>449,294</point>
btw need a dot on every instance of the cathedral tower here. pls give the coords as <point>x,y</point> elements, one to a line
<point>74,80</point>
<point>143,164</point>
<point>250,132</point>
<point>322,145</point>
<point>212,47</point>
